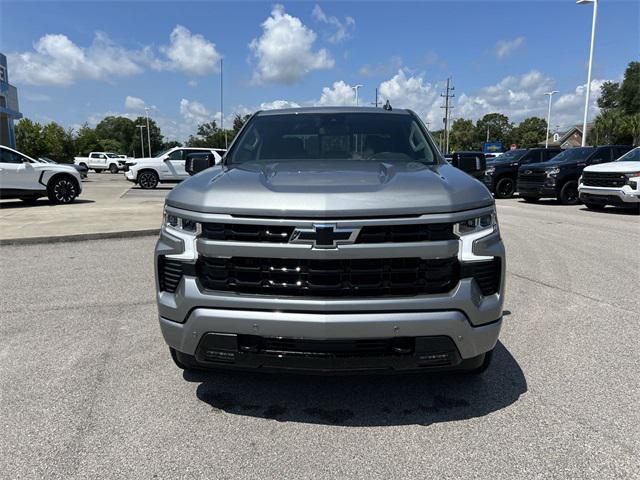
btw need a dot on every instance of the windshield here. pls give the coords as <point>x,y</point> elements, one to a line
<point>630,156</point>
<point>333,136</point>
<point>510,156</point>
<point>573,154</point>
<point>112,155</point>
<point>45,160</point>
<point>162,153</point>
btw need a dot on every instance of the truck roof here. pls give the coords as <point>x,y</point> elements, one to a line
<point>289,111</point>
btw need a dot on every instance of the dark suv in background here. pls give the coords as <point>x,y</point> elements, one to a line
<point>501,173</point>
<point>558,178</point>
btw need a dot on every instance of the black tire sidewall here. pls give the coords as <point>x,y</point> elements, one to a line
<point>51,189</point>
<point>502,181</point>
<point>113,169</point>
<point>571,184</point>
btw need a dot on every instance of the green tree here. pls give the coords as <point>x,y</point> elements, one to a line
<point>529,132</point>
<point>606,128</point>
<point>462,135</point>
<point>171,144</point>
<point>499,127</point>
<point>630,125</point>
<point>86,141</point>
<point>29,138</point>
<point>157,140</point>
<point>58,143</point>
<point>629,94</point>
<point>609,93</point>
<point>205,135</point>
<point>118,130</point>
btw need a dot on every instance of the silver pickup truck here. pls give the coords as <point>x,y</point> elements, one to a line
<point>331,240</point>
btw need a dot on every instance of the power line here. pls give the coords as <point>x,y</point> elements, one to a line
<point>447,111</point>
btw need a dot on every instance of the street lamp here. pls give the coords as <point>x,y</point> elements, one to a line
<point>355,88</point>
<point>546,141</point>
<point>146,111</point>
<point>141,140</point>
<point>593,37</point>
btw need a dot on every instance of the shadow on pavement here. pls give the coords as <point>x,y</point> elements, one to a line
<point>614,211</point>
<point>375,400</point>
<point>42,202</point>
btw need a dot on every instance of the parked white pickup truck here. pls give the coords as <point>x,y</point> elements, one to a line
<point>167,166</point>
<point>614,183</point>
<point>100,161</point>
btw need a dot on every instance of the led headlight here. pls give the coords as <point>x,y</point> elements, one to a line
<point>633,177</point>
<point>186,230</point>
<point>490,170</point>
<point>471,230</point>
<point>552,171</point>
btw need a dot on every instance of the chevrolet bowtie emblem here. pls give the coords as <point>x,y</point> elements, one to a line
<point>325,235</point>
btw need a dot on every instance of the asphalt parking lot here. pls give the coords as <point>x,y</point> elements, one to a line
<point>87,388</point>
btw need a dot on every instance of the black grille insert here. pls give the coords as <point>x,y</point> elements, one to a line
<point>416,232</point>
<point>487,275</point>
<point>601,179</point>
<point>169,274</point>
<point>329,278</point>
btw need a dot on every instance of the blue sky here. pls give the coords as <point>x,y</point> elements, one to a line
<point>79,61</point>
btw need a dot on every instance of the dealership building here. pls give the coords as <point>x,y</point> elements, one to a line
<point>9,110</point>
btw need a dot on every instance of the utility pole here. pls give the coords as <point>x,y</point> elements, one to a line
<point>546,142</point>
<point>376,102</point>
<point>226,143</point>
<point>588,92</point>
<point>146,111</point>
<point>141,140</point>
<point>447,108</point>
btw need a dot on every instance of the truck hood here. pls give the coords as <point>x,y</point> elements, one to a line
<point>615,167</point>
<point>323,189</point>
<point>55,167</point>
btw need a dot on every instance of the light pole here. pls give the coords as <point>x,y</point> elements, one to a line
<point>593,37</point>
<point>146,111</point>
<point>546,142</point>
<point>141,140</point>
<point>355,89</point>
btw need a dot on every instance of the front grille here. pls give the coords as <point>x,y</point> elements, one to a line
<point>598,179</point>
<point>373,347</point>
<point>416,232</point>
<point>534,179</point>
<point>329,278</point>
<point>169,274</point>
<point>486,274</point>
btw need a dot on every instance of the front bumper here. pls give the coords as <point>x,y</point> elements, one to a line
<point>610,196</point>
<point>489,183</point>
<point>537,191</point>
<point>470,319</point>
<point>130,175</point>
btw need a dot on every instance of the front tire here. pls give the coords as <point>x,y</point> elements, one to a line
<point>113,168</point>
<point>62,190</point>
<point>148,179</point>
<point>505,188</point>
<point>569,193</point>
<point>486,363</point>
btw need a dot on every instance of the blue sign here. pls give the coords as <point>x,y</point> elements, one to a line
<point>492,147</point>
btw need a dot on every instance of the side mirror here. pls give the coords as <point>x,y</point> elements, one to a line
<point>473,164</point>
<point>198,162</point>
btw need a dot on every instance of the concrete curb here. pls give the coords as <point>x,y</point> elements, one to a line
<point>79,237</point>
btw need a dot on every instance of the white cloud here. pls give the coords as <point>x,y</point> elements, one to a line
<point>188,53</point>
<point>412,92</point>
<point>568,109</point>
<point>341,29</point>
<point>195,112</point>
<point>504,48</point>
<point>277,105</point>
<point>339,94</point>
<point>56,60</point>
<point>284,51</point>
<point>134,103</point>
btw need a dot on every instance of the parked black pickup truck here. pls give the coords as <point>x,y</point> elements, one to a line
<point>558,178</point>
<point>502,172</point>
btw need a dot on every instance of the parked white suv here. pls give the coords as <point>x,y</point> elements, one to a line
<point>100,161</point>
<point>27,179</point>
<point>168,166</point>
<point>613,183</point>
